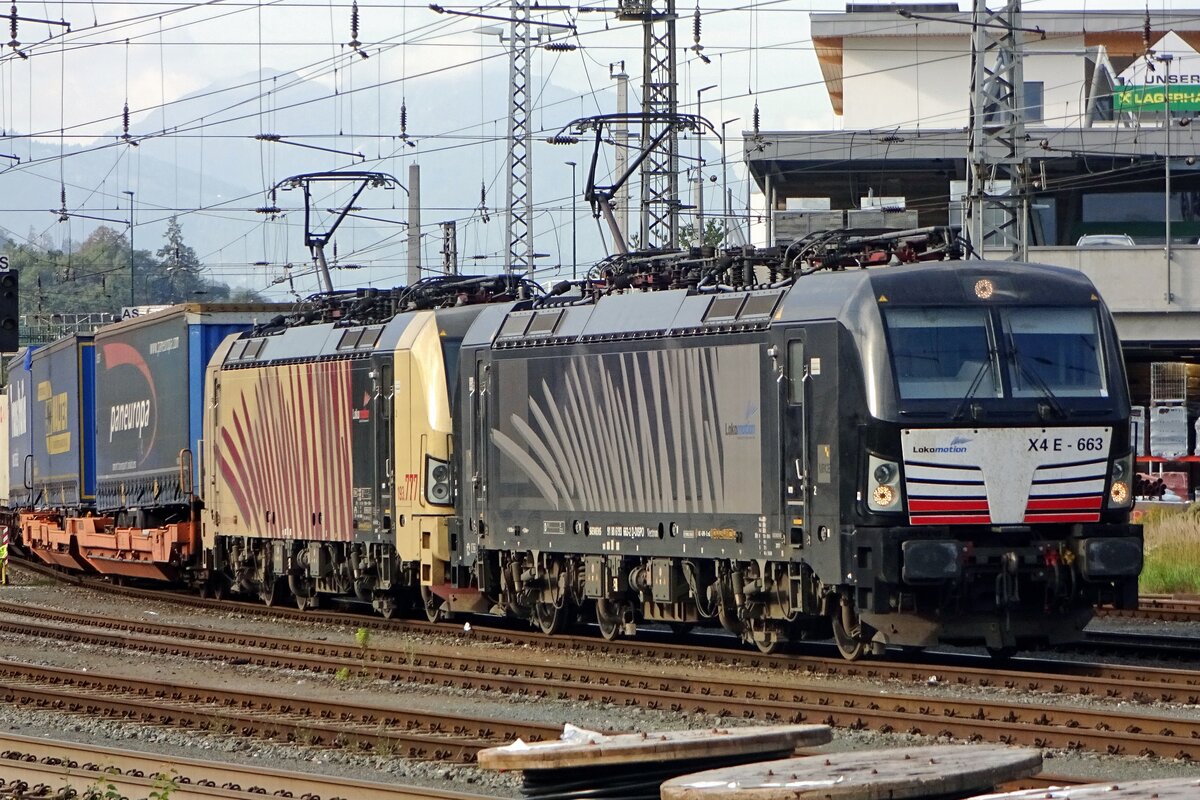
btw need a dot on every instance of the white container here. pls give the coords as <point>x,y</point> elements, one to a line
<point>1169,431</point>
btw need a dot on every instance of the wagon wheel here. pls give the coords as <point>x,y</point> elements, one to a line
<point>271,591</point>
<point>432,605</point>
<point>216,587</point>
<point>766,647</point>
<point>550,619</point>
<point>847,633</point>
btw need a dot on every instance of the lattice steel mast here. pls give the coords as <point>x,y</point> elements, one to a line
<point>997,132</point>
<point>519,256</point>
<point>660,171</point>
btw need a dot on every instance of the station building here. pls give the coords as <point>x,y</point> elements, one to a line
<point>1101,132</point>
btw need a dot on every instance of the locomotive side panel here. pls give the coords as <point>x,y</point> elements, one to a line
<point>654,450</point>
<point>283,450</point>
<point>63,433</point>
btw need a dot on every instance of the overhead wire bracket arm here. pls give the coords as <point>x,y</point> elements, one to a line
<point>564,25</point>
<point>277,139</point>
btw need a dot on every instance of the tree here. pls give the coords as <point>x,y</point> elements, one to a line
<point>179,277</point>
<point>713,234</point>
<point>94,275</point>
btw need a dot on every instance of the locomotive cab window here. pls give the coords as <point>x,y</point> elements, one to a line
<point>941,353</point>
<point>544,323</point>
<point>1054,349</point>
<point>514,326</point>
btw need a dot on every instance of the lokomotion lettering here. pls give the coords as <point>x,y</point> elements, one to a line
<point>129,417</point>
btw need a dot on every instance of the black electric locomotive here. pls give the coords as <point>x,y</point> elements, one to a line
<point>904,455</point>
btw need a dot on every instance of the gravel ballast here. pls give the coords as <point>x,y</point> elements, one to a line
<point>31,589</point>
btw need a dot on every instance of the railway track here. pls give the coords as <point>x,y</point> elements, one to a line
<point>777,696</point>
<point>62,767</point>
<point>1163,608</point>
<point>1152,607</point>
<point>336,723</point>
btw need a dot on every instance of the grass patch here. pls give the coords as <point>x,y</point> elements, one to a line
<point>1172,553</point>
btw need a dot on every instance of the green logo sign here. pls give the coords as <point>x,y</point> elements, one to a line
<point>1184,97</point>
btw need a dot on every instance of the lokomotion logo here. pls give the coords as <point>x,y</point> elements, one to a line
<point>746,428</point>
<point>136,411</point>
<point>957,445</point>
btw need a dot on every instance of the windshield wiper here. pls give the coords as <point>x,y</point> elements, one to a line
<point>961,408</point>
<point>1037,380</point>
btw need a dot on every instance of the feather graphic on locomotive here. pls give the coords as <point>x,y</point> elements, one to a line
<point>901,455</point>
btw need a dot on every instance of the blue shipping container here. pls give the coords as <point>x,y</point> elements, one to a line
<point>20,436</point>
<point>150,400</point>
<point>63,436</point>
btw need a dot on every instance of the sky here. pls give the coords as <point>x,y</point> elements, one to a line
<point>285,67</point>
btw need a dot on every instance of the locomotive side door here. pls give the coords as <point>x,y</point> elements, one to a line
<point>481,434</point>
<point>796,468</point>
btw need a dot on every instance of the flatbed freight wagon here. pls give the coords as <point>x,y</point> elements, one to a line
<point>143,400</point>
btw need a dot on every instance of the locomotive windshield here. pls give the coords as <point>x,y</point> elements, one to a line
<point>940,353</point>
<point>947,353</point>
<point>1057,349</point>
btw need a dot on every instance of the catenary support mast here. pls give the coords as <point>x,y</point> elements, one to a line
<point>997,135</point>
<point>518,258</point>
<point>660,171</point>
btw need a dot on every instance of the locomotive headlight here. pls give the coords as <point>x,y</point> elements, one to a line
<point>1119,495</point>
<point>437,481</point>
<point>883,489</point>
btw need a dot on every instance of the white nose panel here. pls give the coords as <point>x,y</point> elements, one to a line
<point>1005,476</point>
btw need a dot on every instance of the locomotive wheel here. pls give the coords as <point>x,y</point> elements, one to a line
<point>848,639</point>
<point>609,620</point>
<point>271,592</point>
<point>550,619</point>
<point>308,597</point>
<point>1002,653</point>
<point>432,604</point>
<point>767,647</point>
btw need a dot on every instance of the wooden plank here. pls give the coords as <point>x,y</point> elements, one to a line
<point>1164,789</point>
<point>592,750</point>
<point>912,772</point>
